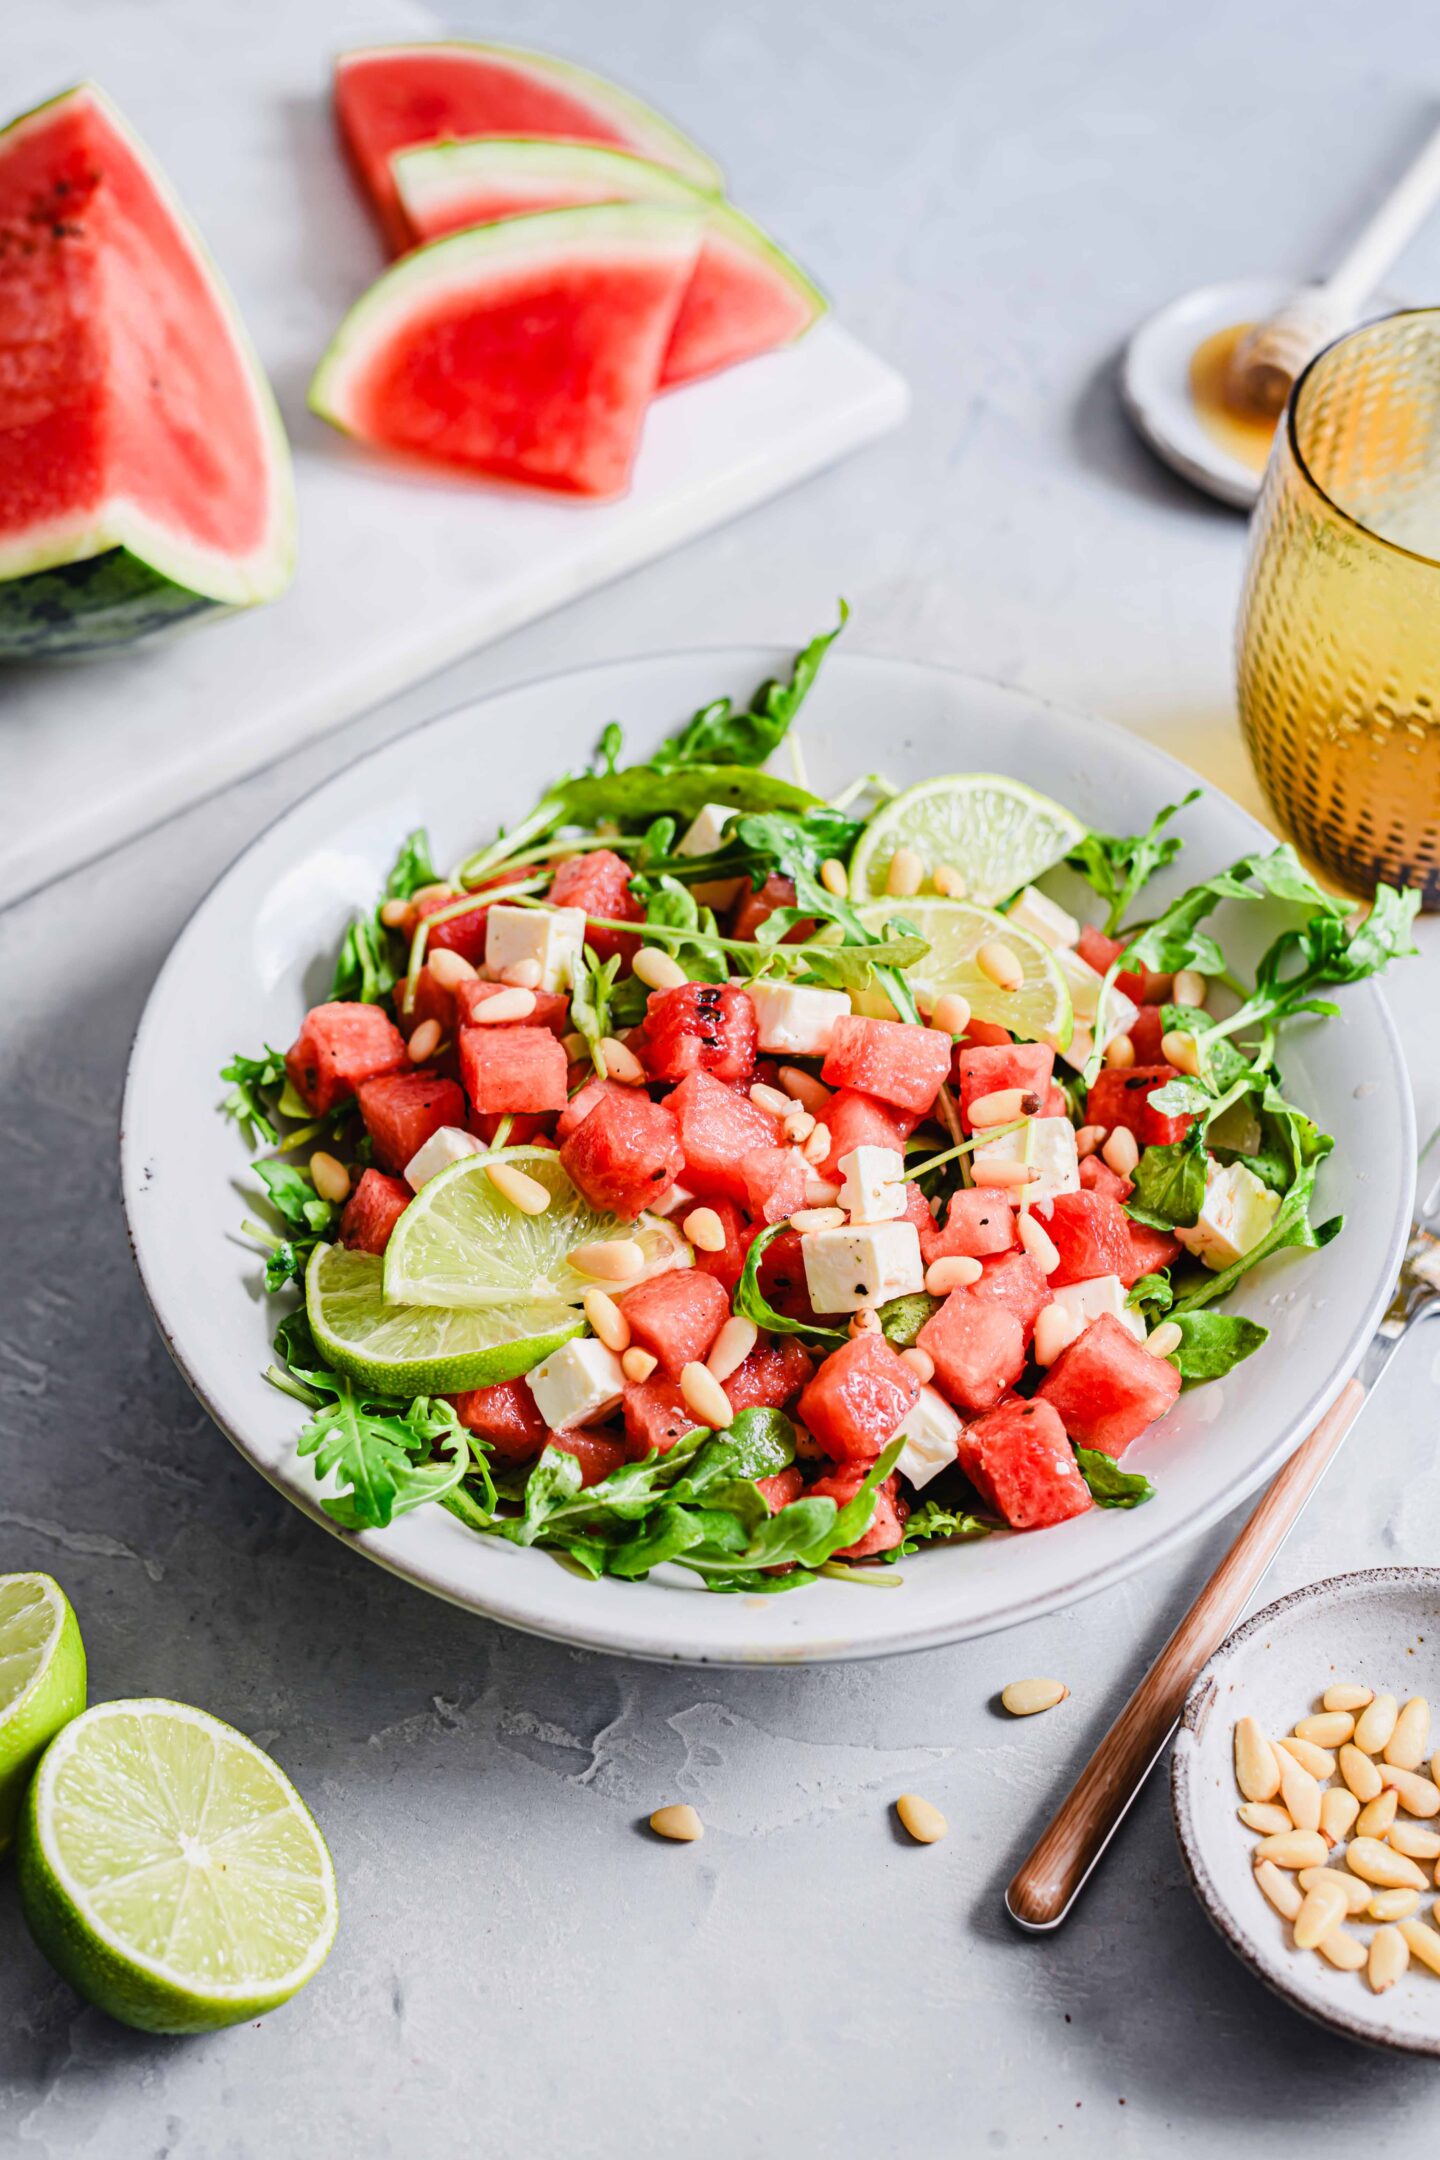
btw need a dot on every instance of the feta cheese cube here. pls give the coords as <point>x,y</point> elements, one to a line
<point>794,1019</point>
<point>1237,1214</point>
<point>1048,1145</point>
<point>449,1145</point>
<point>676,1200</point>
<point>551,938</point>
<point>870,1189</point>
<point>931,1432</point>
<point>576,1384</point>
<point>1043,919</point>
<point>1085,1301</point>
<point>707,832</point>
<point>1120,1016</point>
<point>847,1269</point>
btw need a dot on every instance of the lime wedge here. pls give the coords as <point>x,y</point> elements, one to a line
<point>170,1870</point>
<point>422,1349</point>
<point>1040,1010</point>
<point>42,1682</point>
<point>997,833</point>
<point>461,1243</point>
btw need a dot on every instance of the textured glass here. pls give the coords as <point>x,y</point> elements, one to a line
<point>1339,635</point>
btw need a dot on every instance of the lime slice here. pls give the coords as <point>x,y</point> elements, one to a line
<point>42,1682</point>
<point>997,833</point>
<point>1040,1010</point>
<point>422,1349</point>
<point>461,1243</point>
<point>170,1870</point>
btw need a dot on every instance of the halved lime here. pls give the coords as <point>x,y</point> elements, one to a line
<point>422,1349</point>
<point>461,1243</point>
<point>997,833</point>
<point>170,1870</point>
<point>42,1682</point>
<point>1040,1010</point>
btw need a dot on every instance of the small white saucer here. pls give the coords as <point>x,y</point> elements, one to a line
<point>1155,381</point>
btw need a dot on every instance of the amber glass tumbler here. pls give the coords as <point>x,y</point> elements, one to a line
<point>1339,635</point>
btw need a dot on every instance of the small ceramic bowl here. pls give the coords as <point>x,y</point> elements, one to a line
<point>1381,1628</point>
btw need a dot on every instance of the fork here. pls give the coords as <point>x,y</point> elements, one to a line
<point>1064,1856</point>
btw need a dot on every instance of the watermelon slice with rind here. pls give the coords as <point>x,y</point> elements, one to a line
<point>526,350</point>
<point>144,474</point>
<point>396,97</point>
<point>747,296</point>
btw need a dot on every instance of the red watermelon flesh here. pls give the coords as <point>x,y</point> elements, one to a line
<point>1107,1387</point>
<point>1091,1233</point>
<point>525,351</point>
<point>1019,1461</point>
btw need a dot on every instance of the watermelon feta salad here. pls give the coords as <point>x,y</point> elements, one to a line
<point>708,1172</point>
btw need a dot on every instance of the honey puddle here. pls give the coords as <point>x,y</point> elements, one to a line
<point>1245,436</point>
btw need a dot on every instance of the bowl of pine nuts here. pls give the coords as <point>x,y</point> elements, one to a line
<point>1305,1785</point>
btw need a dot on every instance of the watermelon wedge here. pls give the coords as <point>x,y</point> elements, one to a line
<point>527,350</point>
<point>396,97</point>
<point>144,474</point>
<point>746,297</point>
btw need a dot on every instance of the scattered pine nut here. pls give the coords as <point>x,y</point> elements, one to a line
<point>949,884</point>
<point>1379,1864</point>
<point>1342,1949</point>
<point>1389,1956</point>
<point>637,1365</point>
<point>818,1218</point>
<point>950,1013</point>
<point>1415,1843</point>
<point>803,1087</point>
<point>1424,1943</point>
<point>1376,1723</point>
<point>1393,1904</point>
<point>1001,964</point>
<point>1417,1794</point>
<point>424,1042</point>
<point>1281,1889</point>
<point>955,1272</point>
<point>1299,1792</point>
<point>1294,1849</point>
<point>606,1318</point>
<point>1346,1696</point>
<point>1355,1893</point>
<point>658,970</point>
<point>498,1011</point>
<point>519,1188</point>
<point>704,1228</point>
<point>1405,1748</point>
<point>1121,1151</point>
<point>1120,1054</point>
<point>621,1063</point>
<point>1038,1243</point>
<point>1323,1910</point>
<point>1089,1138</point>
<point>524,975</point>
<point>1359,1773</point>
<point>705,1396</point>
<point>1026,1698</point>
<point>799,1125</point>
<point>395,914</point>
<point>1055,1329</point>
<point>681,1824</point>
<point>1003,1170</point>
<point>1377,1815</point>
<point>771,1099</point>
<point>732,1346</point>
<point>1191,988</point>
<point>450,969</point>
<point>921,1818</point>
<point>865,1322</point>
<point>1317,1760</point>
<point>1165,1340</point>
<point>1257,1766</point>
<point>835,878</point>
<point>906,874</point>
<point>1000,1107</point>
<point>1180,1049</point>
<point>329,1176</point>
<point>1338,1810</point>
<point>920,1362</point>
<point>434,892</point>
<point>816,1146</point>
<point>1265,1817</point>
<point>609,1259</point>
<point>1326,1729</point>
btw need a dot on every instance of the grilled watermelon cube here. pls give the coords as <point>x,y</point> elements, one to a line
<point>778,1491</point>
<point>858,1399</point>
<point>505,1415</point>
<point>727,1264</point>
<point>513,1068</point>
<point>373,1210</point>
<point>1013,1280</point>
<point>754,908</point>
<point>1150,1252</point>
<point>718,1128</point>
<point>1145,988</point>
<point>775,1181</point>
<point>980,1221</point>
<point>600,884</point>
<point>700,1028</point>
<point>1107,1388</point>
<point>402,1110</point>
<point>339,1046</point>
<point>1091,1233</point>
<point>979,1349</point>
<point>887,1524</point>
<point>551,1009</point>
<point>676,1317</point>
<point>1019,1461</point>
<point>656,1416</point>
<point>892,1059</point>
<point>781,1273</point>
<point>463,934</point>
<point>598,1454</point>
<point>1027,1066</point>
<point>856,1120</point>
<point>625,1155</point>
<point>1097,1176</point>
<point>1120,1096</point>
<point>773,1372</point>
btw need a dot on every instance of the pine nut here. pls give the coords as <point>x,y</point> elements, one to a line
<point>949,884</point>
<point>1355,1894</point>
<point>1026,1698</point>
<point>1389,1956</point>
<point>1038,1243</point>
<point>1055,1329</point>
<point>1089,1138</point>
<point>637,1365</point>
<point>1407,1744</point>
<point>681,1824</point>
<point>1342,1950</point>
<point>1280,1889</point>
<point>835,878</point>
<point>920,1362</point>
<point>1004,1170</point>
<point>1001,964</point>
<point>1359,1773</point>
<point>921,1818</point>
<point>1299,1792</point>
<point>1326,1729</point>
<point>798,1125</point>
<point>522,1191</point>
<point>434,892</point>
<point>450,969</point>
<point>1191,989</point>
<point>955,1272</point>
<point>610,1260</point>
<point>731,1347</point>
<point>575,1047</point>
<point>906,874</point>
<point>1120,1053</point>
<point>1377,1815</point>
<point>1000,1107</point>
<point>1324,1908</point>
<point>395,914</point>
<point>816,1146</point>
<point>1393,1904</point>
<point>658,970</point>
<point>1376,1723</point>
<point>865,1322</point>
<point>1435,1768</point>
<point>1415,1843</point>
<point>704,1228</point>
<point>1264,1817</point>
<point>621,1063</point>
<point>1379,1864</point>
<point>1423,1942</point>
<point>500,1010</point>
<point>1121,1151</point>
<point>1417,1795</point>
<point>1180,1049</point>
<point>818,1218</point>
<point>803,1087</point>
<point>705,1396</point>
<point>1082,1047</point>
<point>950,1013</point>
<point>329,1176</point>
<point>1257,1766</point>
<point>1317,1760</point>
<point>820,1191</point>
<point>1346,1696</point>
<point>771,1099</point>
<point>1338,1810</point>
<point>424,1042</point>
<point>524,975</point>
<point>1165,1340</point>
<point>1293,1849</point>
<point>606,1318</point>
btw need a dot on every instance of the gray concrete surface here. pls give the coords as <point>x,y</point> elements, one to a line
<point>993,195</point>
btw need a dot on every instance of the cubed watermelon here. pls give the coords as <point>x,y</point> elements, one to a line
<point>1097,1176</point>
<point>583,1101</point>
<point>1144,988</point>
<point>981,1035</point>
<point>1146,1032</point>
<point>463,933</point>
<point>402,1110</point>
<point>718,1128</point>
<point>626,1153</point>
<point>1150,1252</point>
<point>600,884</point>
<point>781,1274</point>
<point>980,1221</point>
<point>373,1210</point>
<point>1107,1387</point>
<point>505,1415</point>
<point>1121,1096</point>
<point>676,1317</point>
<point>978,1347</point>
<point>513,1068</point>
<point>1019,1461</point>
<point>551,1009</point>
<point>778,1491</point>
<point>656,1416</point>
<point>1091,1233</point>
<point>598,1454</point>
<point>339,1046</point>
<point>775,1370</point>
<point>520,1129</point>
<point>1013,1280</point>
<point>858,1399</point>
<point>432,1001</point>
<point>887,1524</point>
<point>700,1028</point>
<point>857,1120</point>
<point>775,1181</point>
<point>1027,1066</point>
<point>892,1059</point>
<point>727,1264</point>
<point>754,908</point>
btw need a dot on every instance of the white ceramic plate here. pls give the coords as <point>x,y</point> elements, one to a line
<point>258,951</point>
<point>1380,1627</point>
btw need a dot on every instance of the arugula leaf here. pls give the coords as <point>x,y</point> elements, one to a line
<point>641,793</point>
<point>1110,1486</point>
<point>596,996</point>
<point>669,905</point>
<point>1211,1343</point>
<point>1119,869</point>
<point>1152,1292</point>
<point>254,1082</point>
<point>1170,1184</point>
<point>751,1303</point>
<point>371,957</point>
<point>1292,1225</point>
<point>932,1519</point>
<point>718,735</point>
<point>902,1319</point>
<point>308,1218</point>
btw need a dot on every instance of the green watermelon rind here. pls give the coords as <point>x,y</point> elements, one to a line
<point>151,578</point>
<point>667,143</point>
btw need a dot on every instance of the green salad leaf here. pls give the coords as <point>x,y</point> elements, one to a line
<point>902,1319</point>
<point>371,957</point>
<point>751,1303</point>
<point>718,735</point>
<point>932,1519</point>
<point>1170,1183</point>
<point>1119,869</point>
<point>1110,1486</point>
<point>307,1217</point>
<point>254,1091</point>
<point>1212,1343</point>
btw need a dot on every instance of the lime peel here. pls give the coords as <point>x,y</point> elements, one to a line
<point>997,833</point>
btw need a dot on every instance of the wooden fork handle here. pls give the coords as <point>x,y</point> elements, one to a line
<point>1048,1881</point>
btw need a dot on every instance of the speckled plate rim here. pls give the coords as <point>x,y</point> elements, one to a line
<point>1331,1589</point>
